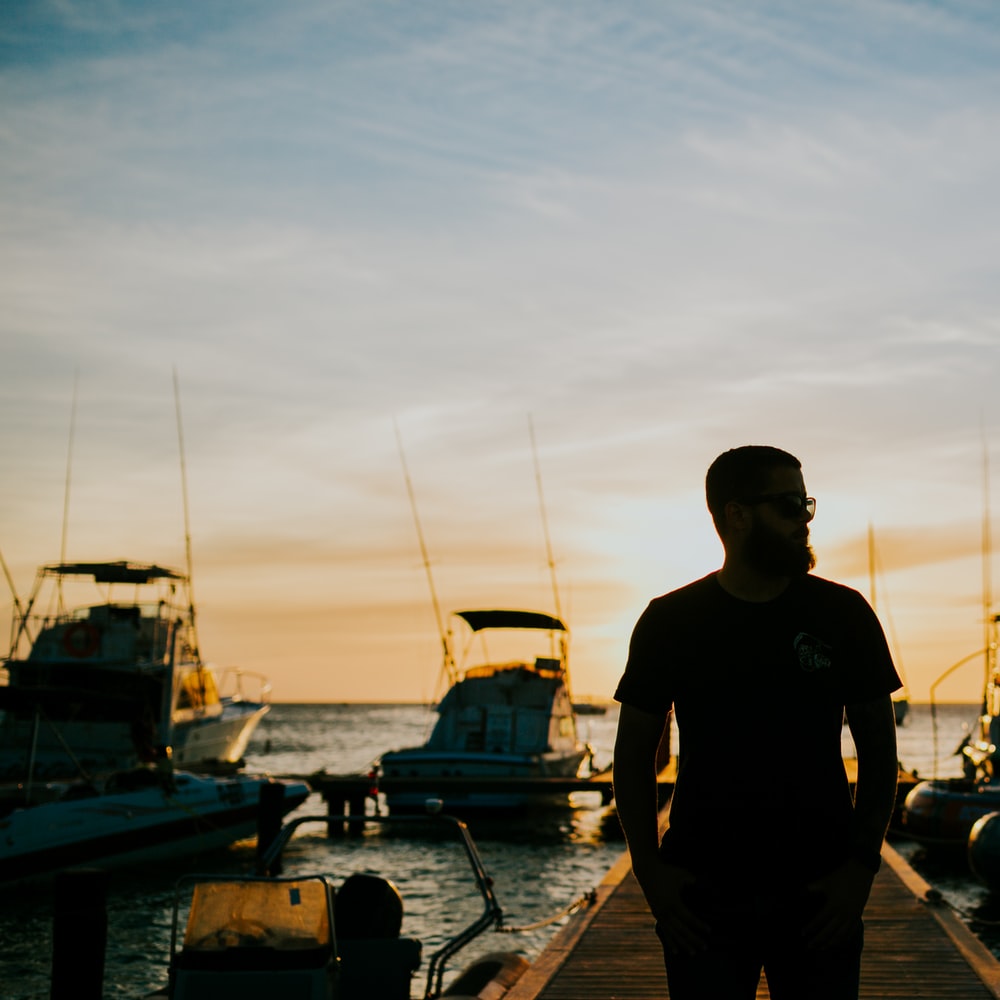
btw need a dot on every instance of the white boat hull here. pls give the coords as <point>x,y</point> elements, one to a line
<point>418,762</point>
<point>194,814</point>
<point>221,739</point>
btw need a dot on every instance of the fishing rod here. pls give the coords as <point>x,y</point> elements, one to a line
<point>449,662</point>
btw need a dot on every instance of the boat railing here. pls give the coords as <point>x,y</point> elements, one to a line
<point>236,684</point>
<point>269,861</point>
<point>544,666</point>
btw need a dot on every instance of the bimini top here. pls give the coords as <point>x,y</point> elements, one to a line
<point>114,572</point>
<point>479,620</point>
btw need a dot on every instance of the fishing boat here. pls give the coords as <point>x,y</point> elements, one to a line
<point>265,936</point>
<point>104,672</point>
<point>500,718</point>
<point>142,815</point>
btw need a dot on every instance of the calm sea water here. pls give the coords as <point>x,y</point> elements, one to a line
<point>539,864</point>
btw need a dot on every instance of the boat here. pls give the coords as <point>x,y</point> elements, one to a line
<point>941,812</point>
<point>589,707</point>
<point>116,678</point>
<point>131,817</point>
<point>267,935</point>
<point>499,718</point>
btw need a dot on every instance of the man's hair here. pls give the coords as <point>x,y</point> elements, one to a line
<point>741,473</point>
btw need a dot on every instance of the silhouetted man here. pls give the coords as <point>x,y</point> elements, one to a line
<point>767,862</point>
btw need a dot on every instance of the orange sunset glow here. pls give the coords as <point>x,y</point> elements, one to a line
<point>653,233</point>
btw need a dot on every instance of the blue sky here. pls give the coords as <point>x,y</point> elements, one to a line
<point>660,230</point>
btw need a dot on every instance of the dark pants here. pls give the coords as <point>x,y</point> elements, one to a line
<point>762,934</point>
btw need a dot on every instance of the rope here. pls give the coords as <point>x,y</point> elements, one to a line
<point>587,899</point>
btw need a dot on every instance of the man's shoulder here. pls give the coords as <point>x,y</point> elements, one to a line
<point>820,586</point>
<point>817,590</point>
<point>691,594</point>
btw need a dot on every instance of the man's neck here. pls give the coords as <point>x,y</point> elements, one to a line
<point>749,585</point>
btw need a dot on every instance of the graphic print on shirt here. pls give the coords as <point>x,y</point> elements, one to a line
<point>814,654</point>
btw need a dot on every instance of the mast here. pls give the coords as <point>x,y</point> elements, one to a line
<point>449,662</point>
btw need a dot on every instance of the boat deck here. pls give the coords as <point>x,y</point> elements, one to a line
<point>912,948</point>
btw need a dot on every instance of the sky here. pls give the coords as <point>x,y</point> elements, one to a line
<point>385,241</point>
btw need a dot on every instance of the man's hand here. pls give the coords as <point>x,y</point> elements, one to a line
<point>682,930</point>
<point>844,893</point>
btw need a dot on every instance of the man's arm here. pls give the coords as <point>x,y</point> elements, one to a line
<point>846,890</point>
<point>873,727</point>
<point>636,744</point>
<point>635,782</point>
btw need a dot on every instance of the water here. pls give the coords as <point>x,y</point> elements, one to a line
<point>538,864</point>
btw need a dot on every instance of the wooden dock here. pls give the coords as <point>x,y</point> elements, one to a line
<point>913,948</point>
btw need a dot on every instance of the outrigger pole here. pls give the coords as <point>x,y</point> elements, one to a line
<point>545,520</point>
<point>548,542</point>
<point>988,622</point>
<point>187,523</point>
<point>449,662</point>
<point>19,610</point>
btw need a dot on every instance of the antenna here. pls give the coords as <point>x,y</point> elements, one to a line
<point>187,520</point>
<point>449,663</point>
<point>69,469</point>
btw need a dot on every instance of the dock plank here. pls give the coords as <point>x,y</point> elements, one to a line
<point>912,949</point>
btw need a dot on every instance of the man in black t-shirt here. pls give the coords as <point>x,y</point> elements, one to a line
<point>767,861</point>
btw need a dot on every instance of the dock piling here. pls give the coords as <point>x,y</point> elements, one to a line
<point>79,934</point>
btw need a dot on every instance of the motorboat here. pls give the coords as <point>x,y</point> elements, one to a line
<point>131,817</point>
<point>499,719</point>
<point>259,936</point>
<point>941,812</point>
<point>105,672</point>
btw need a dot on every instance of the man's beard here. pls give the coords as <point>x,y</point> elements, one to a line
<point>774,554</point>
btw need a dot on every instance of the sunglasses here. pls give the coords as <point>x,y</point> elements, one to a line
<point>790,505</point>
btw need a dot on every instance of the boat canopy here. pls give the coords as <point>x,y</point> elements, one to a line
<point>114,572</point>
<point>479,620</point>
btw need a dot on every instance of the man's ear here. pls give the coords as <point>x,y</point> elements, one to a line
<point>737,517</point>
